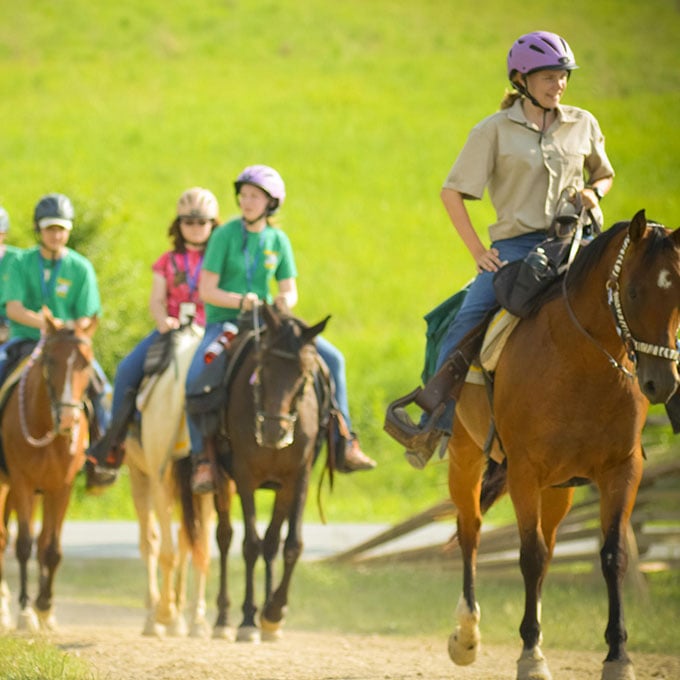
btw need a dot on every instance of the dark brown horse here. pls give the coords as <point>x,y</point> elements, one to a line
<point>44,434</point>
<point>272,422</point>
<point>572,390</point>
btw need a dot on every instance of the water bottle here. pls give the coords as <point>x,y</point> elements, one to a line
<point>221,342</point>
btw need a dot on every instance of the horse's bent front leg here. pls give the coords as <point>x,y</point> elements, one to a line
<point>466,464</point>
<point>617,494</point>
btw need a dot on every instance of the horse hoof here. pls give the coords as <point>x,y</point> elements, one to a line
<point>248,634</point>
<point>152,628</point>
<point>463,648</point>
<point>47,621</point>
<point>224,633</point>
<point>270,630</point>
<point>200,628</point>
<point>28,621</point>
<point>532,666</point>
<point>177,628</point>
<point>618,670</point>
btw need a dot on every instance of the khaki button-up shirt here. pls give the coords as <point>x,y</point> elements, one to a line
<point>524,171</point>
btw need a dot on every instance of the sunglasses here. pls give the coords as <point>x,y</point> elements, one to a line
<point>194,221</point>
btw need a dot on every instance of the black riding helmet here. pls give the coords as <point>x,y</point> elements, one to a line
<point>54,207</point>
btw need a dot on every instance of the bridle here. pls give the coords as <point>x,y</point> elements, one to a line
<point>633,345</point>
<point>261,416</point>
<point>56,403</point>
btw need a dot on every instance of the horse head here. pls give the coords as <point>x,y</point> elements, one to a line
<point>64,356</point>
<point>286,360</point>
<point>644,292</point>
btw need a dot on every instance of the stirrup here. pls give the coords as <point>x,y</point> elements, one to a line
<point>409,434</point>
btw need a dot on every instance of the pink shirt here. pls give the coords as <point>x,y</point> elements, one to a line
<point>180,271</point>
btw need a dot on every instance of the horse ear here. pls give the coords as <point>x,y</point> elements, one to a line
<point>271,318</point>
<point>310,333</point>
<point>52,326</point>
<point>675,237</point>
<point>637,226</point>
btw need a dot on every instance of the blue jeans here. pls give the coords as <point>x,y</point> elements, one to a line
<point>130,371</point>
<point>329,353</point>
<point>480,299</point>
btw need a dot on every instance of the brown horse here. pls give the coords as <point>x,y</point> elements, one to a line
<point>272,421</point>
<point>44,434</point>
<point>572,389</point>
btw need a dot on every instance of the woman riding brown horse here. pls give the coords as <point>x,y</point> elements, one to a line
<point>571,394</point>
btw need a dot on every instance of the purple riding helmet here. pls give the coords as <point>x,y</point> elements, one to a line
<point>537,51</point>
<point>267,179</point>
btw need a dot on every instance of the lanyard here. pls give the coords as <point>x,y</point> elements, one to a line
<point>48,287</point>
<point>192,279</point>
<point>251,260</point>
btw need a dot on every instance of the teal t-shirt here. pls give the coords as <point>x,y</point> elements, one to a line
<point>11,253</point>
<point>68,287</point>
<point>247,262</point>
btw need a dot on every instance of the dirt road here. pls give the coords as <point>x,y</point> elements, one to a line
<point>109,639</point>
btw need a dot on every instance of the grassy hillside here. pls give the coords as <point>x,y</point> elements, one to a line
<point>361,106</point>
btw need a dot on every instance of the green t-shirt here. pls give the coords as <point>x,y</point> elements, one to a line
<point>68,288</point>
<point>247,262</point>
<point>11,253</point>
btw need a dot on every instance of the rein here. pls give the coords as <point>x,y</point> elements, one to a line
<point>56,405</point>
<point>261,416</point>
<point>631,344</point>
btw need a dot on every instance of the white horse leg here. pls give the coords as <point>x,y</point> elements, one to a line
<point>532,665</point>
<point>5,613</point>
<point>148,536</point>
<point>200,556</point>
<point>28,621</point>
<point>465,640</point>
<point>47,621</point>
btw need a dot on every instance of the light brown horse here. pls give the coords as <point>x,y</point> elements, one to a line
<point>272,422</point>
<point>572,390</point>
<point>44,433</point>
<point>151,453</point>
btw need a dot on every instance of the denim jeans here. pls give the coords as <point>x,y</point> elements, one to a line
<point>480,299</point>
<point>130,371</point>
<point>329,353</point>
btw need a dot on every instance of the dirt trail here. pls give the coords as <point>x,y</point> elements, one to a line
<point>118,652</point>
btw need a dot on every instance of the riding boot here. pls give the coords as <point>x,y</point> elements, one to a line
<point>437,399</point>
<point>105,456</point>
<point>673,411</point>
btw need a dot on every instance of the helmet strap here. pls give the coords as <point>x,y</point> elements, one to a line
<point>524,90</point>
<point>262,216</point>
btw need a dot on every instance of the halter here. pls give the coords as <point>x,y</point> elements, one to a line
<point>55,404</point>
<point>262,416</point>
<point>632,345</point>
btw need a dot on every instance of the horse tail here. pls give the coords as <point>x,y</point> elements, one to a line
<point>182,471</point>
<point>494,484</point>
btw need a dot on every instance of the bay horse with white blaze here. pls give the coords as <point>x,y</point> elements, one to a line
<point>272,425</point>
<point>153,451</point>
<point>44,434</point>
<point>571,393</point>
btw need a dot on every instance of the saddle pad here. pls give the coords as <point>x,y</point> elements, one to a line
<point>495,338</point>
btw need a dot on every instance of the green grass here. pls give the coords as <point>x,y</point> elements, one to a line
<point>361,106</point>
<point>23,659</point>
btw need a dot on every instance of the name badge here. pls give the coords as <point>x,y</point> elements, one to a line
<point>187,312</point>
